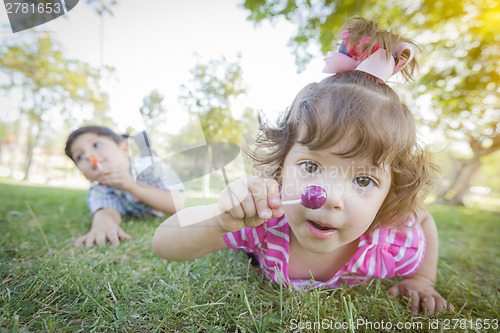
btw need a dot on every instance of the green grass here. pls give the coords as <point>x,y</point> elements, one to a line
<point>48,285</point>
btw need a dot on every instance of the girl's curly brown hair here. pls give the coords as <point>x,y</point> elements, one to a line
<point>355,105</point>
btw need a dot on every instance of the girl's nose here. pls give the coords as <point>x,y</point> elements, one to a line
<point>335,194</point>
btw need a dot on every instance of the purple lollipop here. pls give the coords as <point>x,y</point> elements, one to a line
<point>313,197</point>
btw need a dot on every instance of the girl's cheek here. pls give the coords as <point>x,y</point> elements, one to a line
<point>294,212</point>
<point>292,186</point>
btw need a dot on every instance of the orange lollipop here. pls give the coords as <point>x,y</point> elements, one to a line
<point>95,161</point>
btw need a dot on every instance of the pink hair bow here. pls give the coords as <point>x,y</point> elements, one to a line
<point>375,64</point>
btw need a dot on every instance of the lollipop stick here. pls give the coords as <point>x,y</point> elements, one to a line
<point>291,202</point>
<point>96,162</point>
<point>227,184</point>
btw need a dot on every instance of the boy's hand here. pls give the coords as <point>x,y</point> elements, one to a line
<point>116,177</point>
<point>102,231</point>
<point>424,298</point>
<point>248,202</point>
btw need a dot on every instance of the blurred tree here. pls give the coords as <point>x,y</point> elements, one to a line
<point>488,174</point>
<point>208,97</point>
<point>102,7</point>
<point>463,78</point>
<point>49,84</point>
<point>461,75</point>
<point>318,21</point>
<point>215,85</point>
<point>153,114</point>
<point>152,107</point>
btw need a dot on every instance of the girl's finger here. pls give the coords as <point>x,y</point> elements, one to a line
<point>429,304</point>
<point>258,202</point>
<point>273,193</point>
<point>273,198</point>
<point>231,197</point>
<point>440,303</point>
<point>394,291</point>
<point>415,300</point>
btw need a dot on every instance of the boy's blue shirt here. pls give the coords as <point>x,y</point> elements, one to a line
<point>101,196</point>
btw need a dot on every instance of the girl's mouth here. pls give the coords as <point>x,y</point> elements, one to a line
<point>319,230</point>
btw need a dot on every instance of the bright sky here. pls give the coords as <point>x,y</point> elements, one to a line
<point>152,45</point>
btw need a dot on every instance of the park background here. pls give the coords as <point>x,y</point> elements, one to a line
<point>165,67</point>
<point>195,71</point>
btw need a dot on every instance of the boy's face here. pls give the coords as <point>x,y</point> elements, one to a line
<point>104,148</point>
<point>355,192</point>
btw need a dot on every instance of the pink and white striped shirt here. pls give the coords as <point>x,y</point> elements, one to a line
<point>383,253</point>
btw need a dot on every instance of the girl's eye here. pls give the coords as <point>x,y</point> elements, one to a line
<point>79,157</point>
<point>310,167</point>
<point>97,144</point>
<point>365,181</point>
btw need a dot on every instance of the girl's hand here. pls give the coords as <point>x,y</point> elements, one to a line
<point>424,298</point>
<point>248,202</point>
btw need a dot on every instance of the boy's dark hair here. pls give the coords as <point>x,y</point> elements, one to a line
<point>99,130</point>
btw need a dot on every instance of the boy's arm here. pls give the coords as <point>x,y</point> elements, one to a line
<point>168,202</point>
<point>420,286</point>
<point>165,201</point>
<point>105,226</point>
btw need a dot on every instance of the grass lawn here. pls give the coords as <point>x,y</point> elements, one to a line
<point>46,284</point>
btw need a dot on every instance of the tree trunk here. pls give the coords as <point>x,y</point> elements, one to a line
<point>459,181</point>
<point>31,144</point>
<point>29,154</point>
<point>463,181</point>
<point>451,180</point>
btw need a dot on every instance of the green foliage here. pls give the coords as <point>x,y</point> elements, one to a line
<point>488,174</point>
<point>462,76</point>
<point>54,287</point>
<point>49,85</point>
<point>318,22</point>
<point>461,72</point>
<point>152,106</point>
<point>153,114</point>
<point>103,7</point>
<point>215,85</point>
<point>47,80</point>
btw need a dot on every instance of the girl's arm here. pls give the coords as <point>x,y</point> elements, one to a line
<point>247,202</point>
<point>420,286</point>
<point>172,241</point>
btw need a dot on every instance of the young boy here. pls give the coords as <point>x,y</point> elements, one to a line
<point>103,156</point>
